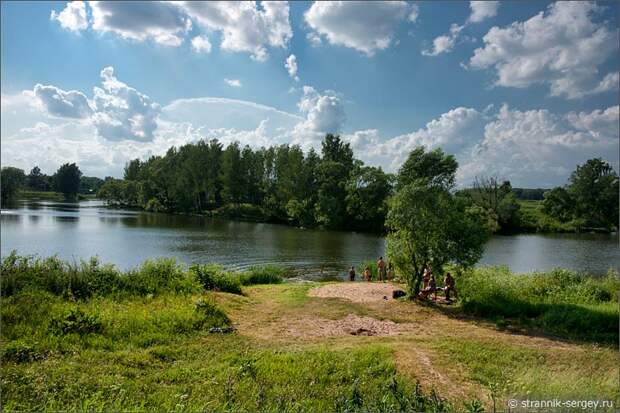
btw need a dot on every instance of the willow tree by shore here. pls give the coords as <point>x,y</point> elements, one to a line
<point>428,225</point>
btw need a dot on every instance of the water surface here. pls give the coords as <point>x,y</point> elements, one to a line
<point>126,238</point>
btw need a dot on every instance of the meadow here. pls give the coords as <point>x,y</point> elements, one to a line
<point>85,336</point>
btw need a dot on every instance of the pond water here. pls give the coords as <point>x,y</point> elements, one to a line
<point>126,238</point>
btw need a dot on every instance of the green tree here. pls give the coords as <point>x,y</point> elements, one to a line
<point>36,180</point>
<point>433,168</point>
<point>367,194</point>
<point>11,180</point>
<point>594,187</point>
<point>232,174</point>
<point>559,203</point>
<point>67,179</point>
<point>427,224</point>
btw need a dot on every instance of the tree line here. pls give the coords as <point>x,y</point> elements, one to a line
<point>276,184</point>
<point>67,180</point>
<point>329,189</point>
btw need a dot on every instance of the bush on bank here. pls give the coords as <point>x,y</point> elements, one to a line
<point>562,302</point>
<point>90,278</point>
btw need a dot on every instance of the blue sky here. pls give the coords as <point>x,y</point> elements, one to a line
<point>505,103</point>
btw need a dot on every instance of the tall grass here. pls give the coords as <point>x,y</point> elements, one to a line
<point>561,302</point>
<point>91,278</point>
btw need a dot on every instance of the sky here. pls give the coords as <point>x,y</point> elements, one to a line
<point>522,91</point>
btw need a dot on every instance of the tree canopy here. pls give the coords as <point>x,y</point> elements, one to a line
<point>428,225</point>
<point>67,179</point>
<point>11,179</point>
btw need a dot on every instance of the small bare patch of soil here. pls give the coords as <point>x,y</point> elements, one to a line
<point>350,325</point>
<point>359,292</point>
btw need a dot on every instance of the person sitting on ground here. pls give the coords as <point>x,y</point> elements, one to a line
<point>367,274</point>
<point>352,274</point>
<point>390,273</point>
<point>381,268</point>
<point>430,288</point>
<point>449,285</point>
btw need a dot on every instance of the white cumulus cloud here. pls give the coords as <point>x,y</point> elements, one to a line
<point>123,113</point>
<point>72,17</point>
<point>243,25</point>
<point>363,26</point>
<point>561,47</point>
<point>60,103</point>
<point>201,44</point>
<point>162,22</point>
<point>482,10</point>
<point>291,66</point>
<point>233,82</point>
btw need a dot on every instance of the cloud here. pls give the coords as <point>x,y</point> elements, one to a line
<point>64,104</point>
<point>243,25</point>
<point>162,22</point>
<point>482,10</point>
<point>445,43</point>
<point>414,13</point>
<point>561,47</point>
<point>122,112</point>
<point>291,66</point>
<point>201,44</point>
<point>72,17</point>
<point>233,82</point>
<point>363,26</point>
<point>324,114</point>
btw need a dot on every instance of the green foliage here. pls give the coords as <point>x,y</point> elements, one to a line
<point>211,314</point>
<point>213,277</point>
<point>266,274</point>
<point>589,200</point>
<point>11,180</point>
<point>562,302</point>
<point>432,168</point>
<point>121,193</point>
<point>430,226</point>
<point>91,278</point>
<point>67,179</point>
<point>20,351</point>
<point>75,320</point>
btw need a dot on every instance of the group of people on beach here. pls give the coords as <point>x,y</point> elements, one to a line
<point>384,272</point>
<point>429,283</point>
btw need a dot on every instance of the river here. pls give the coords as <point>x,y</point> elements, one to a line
<point>126,238</point>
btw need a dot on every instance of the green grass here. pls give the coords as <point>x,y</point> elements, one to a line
<point>92,278</point>
<point>560,302</point>
<point>519,372</point>
<point>69,343</point>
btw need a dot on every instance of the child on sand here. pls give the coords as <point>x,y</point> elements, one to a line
<point>367,275</point>
<point>352,274</point>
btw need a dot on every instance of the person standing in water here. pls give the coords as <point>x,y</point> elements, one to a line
<point>352,274</point>
<point>381,268</point>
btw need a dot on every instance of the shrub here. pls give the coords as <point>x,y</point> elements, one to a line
<point>560,301</point>
<point>267,274</point>
<point>212,315</point>
<point>19,351</point>
<point>213,277</point>
<point>155,276</point>
<point>76,321</point>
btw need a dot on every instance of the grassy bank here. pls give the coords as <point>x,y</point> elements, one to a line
<point>559,302</point>
<point>86,336</point>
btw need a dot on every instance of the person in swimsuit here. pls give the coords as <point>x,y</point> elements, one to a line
<point>352,274</point>
<point>381,268</point>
